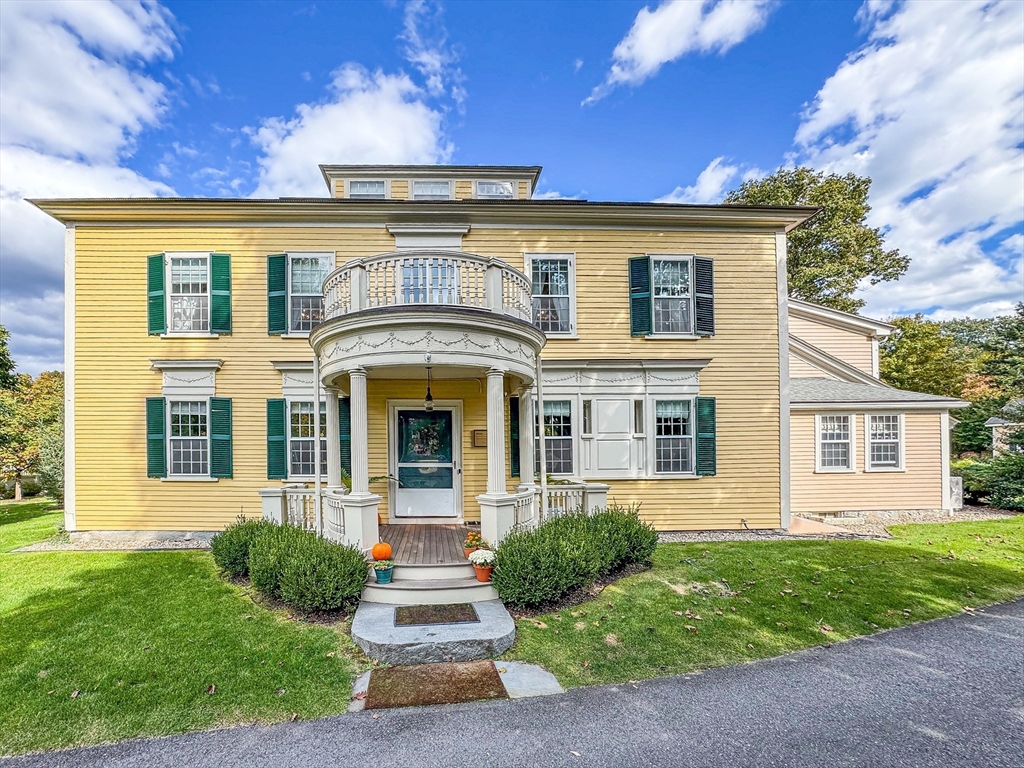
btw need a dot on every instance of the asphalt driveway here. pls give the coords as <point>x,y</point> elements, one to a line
<point>945,693</point>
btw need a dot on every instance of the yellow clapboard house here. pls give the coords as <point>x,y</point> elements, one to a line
<point>386,355</point>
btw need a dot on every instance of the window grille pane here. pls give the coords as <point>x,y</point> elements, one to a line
<point>188,441</point>
<point>550,279</point>
<point>558,438</point>
<point>189,296</point>
<point>307,312</point>
<point>308,274</point>
<point>835,442</point>
<point>884,433</point>
<point>551,314</point>
<point>672,278</point>
<point>366,190</point>
<point>671,286</point>
<point>835,428</point>
<point>559,458</point>
<point>431,190</point>
<point>673,446</point>
<point>673,454</point>
<point>672,316</point>
<point>494,189</point>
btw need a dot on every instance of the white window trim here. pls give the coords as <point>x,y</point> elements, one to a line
<point>651,424</point>
<point>348,189</point>
<point>179,478</point>
<point>330,256</point>
<point>288,400</point>
<point>412,188</point>
<point>168,333</point>
<point>853,445</point>
<point>691,258</point>
<point>478,182</point>
<point>528,258</point>
<point>575,426</point>
<point>868,441</point>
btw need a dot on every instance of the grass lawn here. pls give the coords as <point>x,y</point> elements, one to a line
<point>103,646</point>
<point>25,522</point>
<point>705,605</point>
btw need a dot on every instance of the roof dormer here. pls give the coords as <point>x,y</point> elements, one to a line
<point>431,182</point>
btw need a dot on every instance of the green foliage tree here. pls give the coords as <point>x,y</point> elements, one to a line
<point>970,435</point>
<point>51,461</point>
<point>8,378</point>
<point>27,411</point>
<point>1005,348</point>
<point>830,255</point>
<point>918,356</point>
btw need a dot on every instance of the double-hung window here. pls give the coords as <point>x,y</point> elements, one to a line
<point>673,435</point>
<point>835,443</point>
<point>494,190</point>
<point>302,445</point>
<point>190,295</point>
<point>306,302</point>
<point>189,438</point>
<point>672,297</point>
<point>884,441</point>
<point>366,190</point>
<point>557,437</point>
<point>553,287</point>
<point>431,190</point>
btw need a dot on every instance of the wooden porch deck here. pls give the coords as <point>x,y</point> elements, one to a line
<point>425,544</point>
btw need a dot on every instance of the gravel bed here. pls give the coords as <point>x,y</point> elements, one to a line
<point>767,534</point>
<point>113,545</point>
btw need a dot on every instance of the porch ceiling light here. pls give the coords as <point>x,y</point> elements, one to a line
<point>428,401</point>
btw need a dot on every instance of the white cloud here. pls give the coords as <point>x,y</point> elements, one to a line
<point>427,49</point>
<point>712,184</point>
<point>675,28</point>
<point>73,98</point>
<point>369,118</point>
<point>932,109</point>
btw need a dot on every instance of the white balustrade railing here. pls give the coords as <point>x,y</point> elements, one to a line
<point>527,507</point>
<point>296,505</point>
<point>427,277</point>
<point>562,498</point>
<point>566,497</point>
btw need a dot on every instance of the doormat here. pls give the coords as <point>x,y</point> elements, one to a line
<point>422,615</point>
<point>445,683</point>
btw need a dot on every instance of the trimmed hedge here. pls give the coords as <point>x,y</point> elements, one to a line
<point>230,547</point>
<point>541,565</point>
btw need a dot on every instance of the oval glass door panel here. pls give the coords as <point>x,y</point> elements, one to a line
<point>426,464</point>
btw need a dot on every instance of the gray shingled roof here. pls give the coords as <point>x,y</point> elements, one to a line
<point>815,390</point>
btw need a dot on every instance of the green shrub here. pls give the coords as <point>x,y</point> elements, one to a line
<point>51,461</point>
<point>322,576</point>
<point>541,565</point>
<point>270,552</point>
<point>1006,478</point>
<point>230,548</point>
<point>977,476</point>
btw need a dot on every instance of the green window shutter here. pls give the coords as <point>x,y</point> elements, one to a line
<point>220,293</point>
<point>707,452</point>
<point>513,435</point>
<point>156,443</point>
<point>345,431</point>
<point>277,445</point>
<point>277,294</point>
<point>704,296</point>
<point>220,437</point>
<point>640,323</point>
<point>156,302</point>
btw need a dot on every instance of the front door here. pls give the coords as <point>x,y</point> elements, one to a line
<point>425,463</point>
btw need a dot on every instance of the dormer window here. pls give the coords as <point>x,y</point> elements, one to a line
<point>431,190</point>
<point>366,190</point>
<point>494,190</point>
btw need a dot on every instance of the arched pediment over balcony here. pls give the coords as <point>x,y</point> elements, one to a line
<point>433,307</point>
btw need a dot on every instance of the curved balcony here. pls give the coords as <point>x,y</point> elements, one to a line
<point>427,307</point>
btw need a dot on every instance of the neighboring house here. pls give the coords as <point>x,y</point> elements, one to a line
<point>1003,428</point>
<point>418,304</point>
<point>856,443</point>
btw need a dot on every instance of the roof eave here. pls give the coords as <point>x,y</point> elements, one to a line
<point>816,312</point>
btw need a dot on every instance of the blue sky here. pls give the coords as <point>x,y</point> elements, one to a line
<point>676,101</point>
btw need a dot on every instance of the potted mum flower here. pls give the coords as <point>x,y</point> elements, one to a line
<point>483,563</point>
<point>383,569</point>
<point>473,542</point>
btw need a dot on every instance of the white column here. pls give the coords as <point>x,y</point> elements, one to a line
<point>360,434</point>
<point>526,435</point>
<point>495,431</point>
<point>333,439</point>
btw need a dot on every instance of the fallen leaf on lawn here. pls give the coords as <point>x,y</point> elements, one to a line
<point>249,616</point>
<point>692,629</point>
<point>540,624</point>
<point>48,693</point>
<point>678,613</point>
<point>697,618</point>
<point>74,694</point>
<point>611,639</point>
<point>749,646</point>
<point>330,654</point>
<point>597,623</point>
<point>295,716</point>
<point>825,629</point>
<point>279,692</point>
<point>212,689</point>
<point>586,663</point>
<point>579,626</point>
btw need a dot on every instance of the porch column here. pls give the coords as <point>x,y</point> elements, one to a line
<point>495,431</point>
<point>526,433</point>
<point>360,506</point>
<point>360,434</point>
<point>333,438</point>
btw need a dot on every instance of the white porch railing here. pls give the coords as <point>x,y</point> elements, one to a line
<point>563,498</point>
<point>296,505</point>
<point>427,277</point>
<point>527,507</point>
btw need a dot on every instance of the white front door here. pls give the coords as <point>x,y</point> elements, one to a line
<point>425,462</point>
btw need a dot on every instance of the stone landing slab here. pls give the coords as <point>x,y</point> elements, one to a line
<point>374,630</point>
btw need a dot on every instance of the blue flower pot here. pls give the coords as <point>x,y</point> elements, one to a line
<point>384,577</point>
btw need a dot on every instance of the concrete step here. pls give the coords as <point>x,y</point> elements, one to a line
<point>429,591</point>
<point>374,630</point>
<point>428,571</point>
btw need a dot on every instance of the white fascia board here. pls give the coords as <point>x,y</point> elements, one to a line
<point>844,320</point>
<point>186,364</point>
<point>830,364</point>
<point>879,405</point>
<point>660,364</point>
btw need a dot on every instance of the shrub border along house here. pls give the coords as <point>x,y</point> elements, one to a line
<point>297,567</point>
<point>539,566</point>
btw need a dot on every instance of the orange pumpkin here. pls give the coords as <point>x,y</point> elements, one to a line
<point>381,551</point>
